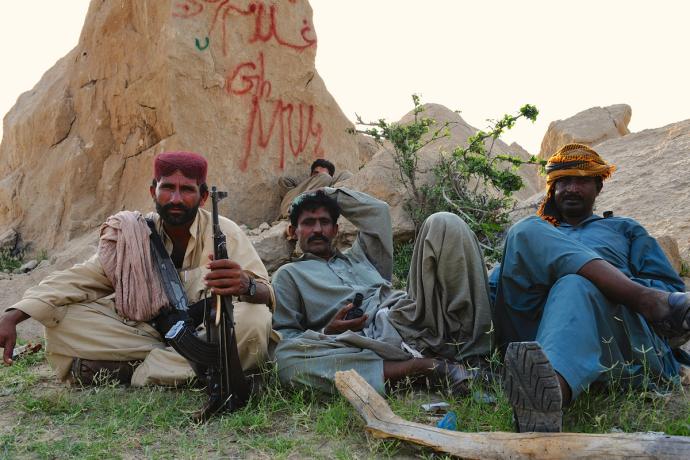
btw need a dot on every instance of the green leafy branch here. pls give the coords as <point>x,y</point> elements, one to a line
<point>470,181</point>
<point>478,185</point>
<point>407,140</point>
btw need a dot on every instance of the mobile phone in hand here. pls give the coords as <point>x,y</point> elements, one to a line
<point>356,310</point>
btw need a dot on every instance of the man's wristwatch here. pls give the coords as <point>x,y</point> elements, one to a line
<point>251,290</point>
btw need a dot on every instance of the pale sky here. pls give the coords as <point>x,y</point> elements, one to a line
<point>483,58</point>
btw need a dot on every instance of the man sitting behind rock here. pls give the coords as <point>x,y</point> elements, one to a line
<point>322,174</point>
<point>442,319</point>
<point>93,313</point>
<point>582,298</point>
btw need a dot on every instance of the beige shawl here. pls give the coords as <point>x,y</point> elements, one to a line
<point>125,254</point>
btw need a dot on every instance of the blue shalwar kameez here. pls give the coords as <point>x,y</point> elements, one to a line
<point>586,337</point>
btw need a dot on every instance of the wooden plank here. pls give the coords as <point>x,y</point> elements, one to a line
<point>383,423</point>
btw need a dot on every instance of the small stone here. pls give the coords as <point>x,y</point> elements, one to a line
<point>44,263</point>
<point>5,276</point>
<point>8,240</point>
<point>27,267</point>
<point>264,226</point>
<point>272,246</point>
<point>685,375</point>
<point>483,398</point>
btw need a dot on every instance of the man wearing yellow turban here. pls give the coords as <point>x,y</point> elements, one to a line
<point>581,298</point>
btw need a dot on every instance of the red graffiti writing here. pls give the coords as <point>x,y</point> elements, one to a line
<point>272,31</point>
<point>294,121</point>
<point>188,9</point>
<point>265,22</point>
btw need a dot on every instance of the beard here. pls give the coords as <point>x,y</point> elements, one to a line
<point>186,217</point>
<point>574,205</point>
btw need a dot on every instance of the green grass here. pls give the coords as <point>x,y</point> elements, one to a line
<point>42,419</point>
<point>684,268</point>
<point>401,264</point>
<point>8,262</point>
<point>42,255</point>
<point>631,411</point>
<point>19,376</point>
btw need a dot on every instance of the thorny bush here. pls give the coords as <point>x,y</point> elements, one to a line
<point>471,181</point>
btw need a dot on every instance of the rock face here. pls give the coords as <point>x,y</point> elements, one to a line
<point>8,241</point>
<point>670,247</point>
<point>380,177</point>
<point>273,246</point>
<point>652,181</point>
<point>651,184</point>
<point>591,127</point>
<point>367,148</point>
<point>234,81</point>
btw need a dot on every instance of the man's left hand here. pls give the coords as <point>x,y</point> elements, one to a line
<point>226,277</point>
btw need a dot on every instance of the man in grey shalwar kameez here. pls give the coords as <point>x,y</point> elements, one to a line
<point>322,174</point>
<point>443,318</point>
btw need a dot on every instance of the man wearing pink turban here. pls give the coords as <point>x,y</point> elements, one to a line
<point>103,314</point>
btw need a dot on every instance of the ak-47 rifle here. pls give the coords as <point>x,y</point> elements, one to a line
<point>228,389</point>
<point>216,359</point>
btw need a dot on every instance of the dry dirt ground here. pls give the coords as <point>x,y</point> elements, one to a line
<point>12,290</point>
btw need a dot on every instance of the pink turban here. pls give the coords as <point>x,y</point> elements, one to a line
<point>192,165</point>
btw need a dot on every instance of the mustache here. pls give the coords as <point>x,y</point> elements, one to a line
<point>170,206</point>
<point>318,238</point>
<point>183,215</point>
<point>572,196</point>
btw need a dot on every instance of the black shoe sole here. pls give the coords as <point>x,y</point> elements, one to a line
<point>531,384</point>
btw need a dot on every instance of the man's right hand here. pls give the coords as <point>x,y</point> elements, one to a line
<point>339,324</point>
<point>8,332</point>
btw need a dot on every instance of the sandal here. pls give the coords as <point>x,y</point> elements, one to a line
<point>91,372</point>
<point>677,322</point>
<point>454,377</point>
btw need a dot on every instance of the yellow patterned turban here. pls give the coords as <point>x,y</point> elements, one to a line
<point>570,160</point>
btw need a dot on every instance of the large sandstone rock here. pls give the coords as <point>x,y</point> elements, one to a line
<point>380,177</point>
<point>670,247</point>
<point>652,181</point>
<point>367,147</point>
<point>273,246</point>
<point>591,127</point>
<point>9,240</point>
<point>651,184</point>
<point>234,81</point>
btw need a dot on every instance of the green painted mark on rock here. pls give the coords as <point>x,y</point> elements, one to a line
<point>198,44</point>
